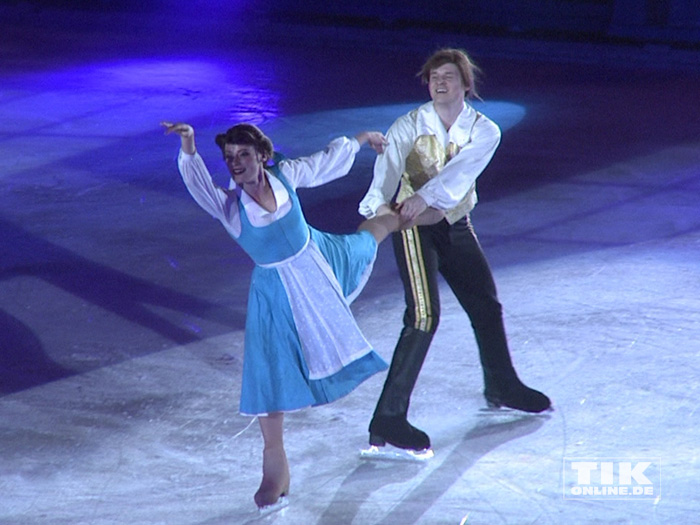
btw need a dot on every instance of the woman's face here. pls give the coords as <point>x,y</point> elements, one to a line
<point>244,163</point>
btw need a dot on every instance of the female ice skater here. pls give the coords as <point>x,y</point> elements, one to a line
<point>302,344</point>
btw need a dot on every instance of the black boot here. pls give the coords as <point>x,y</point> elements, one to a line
<point>397,431</point>
<point>390,424</point>
<point>504,389</point>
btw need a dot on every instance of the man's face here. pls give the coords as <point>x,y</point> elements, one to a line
<point>445,84</point>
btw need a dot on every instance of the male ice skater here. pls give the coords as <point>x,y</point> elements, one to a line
<point>434,156</point>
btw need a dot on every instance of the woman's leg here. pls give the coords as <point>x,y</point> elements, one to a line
<point>429,216</point>
<point>383,224</point>
<point>275,482</point>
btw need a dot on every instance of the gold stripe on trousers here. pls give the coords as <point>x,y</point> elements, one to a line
<point>418,279</point>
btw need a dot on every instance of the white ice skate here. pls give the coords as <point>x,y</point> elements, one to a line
<point>278,505</point>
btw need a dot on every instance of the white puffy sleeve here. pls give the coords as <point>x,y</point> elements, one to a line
<point>389,166</point>
<point>220,203</point>
<point>332,163</point>
<point>450,186</point>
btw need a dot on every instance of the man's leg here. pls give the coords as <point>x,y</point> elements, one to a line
<point>418,270</point>
<point>467,272</point>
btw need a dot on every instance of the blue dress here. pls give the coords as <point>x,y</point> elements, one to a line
<point>277,374</point>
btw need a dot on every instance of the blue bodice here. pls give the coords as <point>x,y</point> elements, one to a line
<point>279,240</point>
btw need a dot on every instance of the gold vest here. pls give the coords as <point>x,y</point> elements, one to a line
<point>424,162</point>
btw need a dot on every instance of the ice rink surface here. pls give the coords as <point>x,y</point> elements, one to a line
<point>122,303</point>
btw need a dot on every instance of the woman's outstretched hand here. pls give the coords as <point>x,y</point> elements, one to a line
<point>182,129</point>
<point>186,133</point>
<point>376,140</point>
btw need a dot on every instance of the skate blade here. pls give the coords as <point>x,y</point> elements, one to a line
<point>505,411</point>
<point>278,505</point>
<point>392,453</point>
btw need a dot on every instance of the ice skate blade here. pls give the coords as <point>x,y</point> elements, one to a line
<point>391,453</point>
<point>278,505</point>
<point>505,411</point>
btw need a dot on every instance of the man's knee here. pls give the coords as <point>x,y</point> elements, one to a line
<point>422,321</point>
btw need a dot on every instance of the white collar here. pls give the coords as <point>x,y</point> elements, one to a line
<point>428,123</point>
<point>281,195</point>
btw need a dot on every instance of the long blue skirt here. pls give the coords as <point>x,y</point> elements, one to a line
<point>275,374</point>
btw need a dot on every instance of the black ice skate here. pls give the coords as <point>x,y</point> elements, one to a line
<point>393,437</point>
<point>514,394</point>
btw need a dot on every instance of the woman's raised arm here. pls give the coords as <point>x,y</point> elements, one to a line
<point>186,133</point>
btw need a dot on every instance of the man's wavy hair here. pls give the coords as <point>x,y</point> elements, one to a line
<point>459,58</point>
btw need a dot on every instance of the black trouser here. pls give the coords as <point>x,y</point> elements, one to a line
<point>454,252</point>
